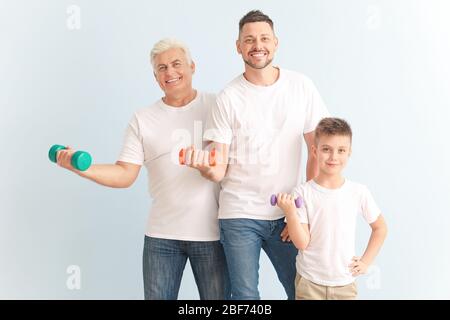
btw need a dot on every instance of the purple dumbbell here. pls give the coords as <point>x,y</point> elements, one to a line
<point>273,201</point>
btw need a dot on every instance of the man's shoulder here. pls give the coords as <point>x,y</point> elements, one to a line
<point>206,96</point>
<point>205,101</point>
<point>231,87</point>
<point>151,108</point>
<point>296,76</point>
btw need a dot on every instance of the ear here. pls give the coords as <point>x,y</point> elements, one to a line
<point>276,43</point>
<point>238,46</point>
<point>193,67</point>
<point>350,152</point>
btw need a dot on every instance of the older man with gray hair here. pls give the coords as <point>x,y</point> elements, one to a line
<point>183,221</point>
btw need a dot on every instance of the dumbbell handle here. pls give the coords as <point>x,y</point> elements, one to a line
<point>81,160</point>
<point>212,157</point>
<point>273,201</point>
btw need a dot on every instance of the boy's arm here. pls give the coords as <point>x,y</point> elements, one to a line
<point>379,232</point>
<point>298,231</point>
<point>199,159</point>
<point>312,168</point>
<point>119,175</point>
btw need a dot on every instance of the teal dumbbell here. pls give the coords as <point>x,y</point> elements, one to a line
<point>81,160</point>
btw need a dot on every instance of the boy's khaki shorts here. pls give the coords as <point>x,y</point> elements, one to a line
<point>307,290</point>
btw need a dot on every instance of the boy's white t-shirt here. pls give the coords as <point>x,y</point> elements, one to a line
<point>331,215</point>
<point>184,203</point>
<point>264,126</point>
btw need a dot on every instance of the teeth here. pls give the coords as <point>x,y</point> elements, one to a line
<point>172,80</point>
<point>259,54</point>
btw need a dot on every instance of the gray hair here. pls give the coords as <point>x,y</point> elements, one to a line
<point>166,44</point>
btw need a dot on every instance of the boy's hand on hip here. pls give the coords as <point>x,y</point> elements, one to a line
<point>358,267</point>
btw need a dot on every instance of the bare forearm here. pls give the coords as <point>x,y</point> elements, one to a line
<point>110,175</point>
<point>312,168</point>
<point>215,174</point>
<point>299,236</point>
<point>373,247</point>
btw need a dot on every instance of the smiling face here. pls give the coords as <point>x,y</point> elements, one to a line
<point>173,72</point>
<point>257,44</point>
<point>332,153</point>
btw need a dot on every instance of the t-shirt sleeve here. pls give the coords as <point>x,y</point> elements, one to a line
<point>369,208</point>
<point>132,148</point>
<point>218,123</point>
<point>302,211</point>
<point>315,108</point>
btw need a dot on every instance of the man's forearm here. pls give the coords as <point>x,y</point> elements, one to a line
<point>110,175</point>
<point>215,174</point>
<point>312,168</point>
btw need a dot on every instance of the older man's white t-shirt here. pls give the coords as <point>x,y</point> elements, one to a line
<point>264,126</point>
<point>331,215</point>
<point>184,205</point>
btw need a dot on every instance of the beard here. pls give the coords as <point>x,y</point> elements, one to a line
<point>255,66</point>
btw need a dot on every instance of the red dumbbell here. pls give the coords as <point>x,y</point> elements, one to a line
<point>212,157</point>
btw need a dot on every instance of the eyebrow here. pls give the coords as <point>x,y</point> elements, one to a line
<point>325,145</point>
<point>251,36</point>
<point>163,64</point>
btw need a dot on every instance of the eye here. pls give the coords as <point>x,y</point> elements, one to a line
<point>177,64</point>
<point>265,39</point>
<point>325,149</point>
<point>342,150</point>
<point>162,68</point>
<point>248,41</point>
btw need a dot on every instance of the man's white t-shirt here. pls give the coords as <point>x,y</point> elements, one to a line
<point>264,126</point>
<point>184,203</point>
<point>331,215</point>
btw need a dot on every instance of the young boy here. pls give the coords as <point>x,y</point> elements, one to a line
<point>323,229</point>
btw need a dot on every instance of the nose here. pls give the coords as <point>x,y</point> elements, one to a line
<point>257,44</point>
<point>333,155</point>
<point>170,72</point>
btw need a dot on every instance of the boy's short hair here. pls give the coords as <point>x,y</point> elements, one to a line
<point>332,127</point>
<point>254,16</point>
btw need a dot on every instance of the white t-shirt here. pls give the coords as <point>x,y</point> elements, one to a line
<point>184,203</point>
<point>331,215</point>
<point>264,126</point>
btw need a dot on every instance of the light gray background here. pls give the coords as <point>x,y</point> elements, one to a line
<point>382,65</point>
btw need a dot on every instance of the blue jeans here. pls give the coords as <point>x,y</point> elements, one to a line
<point>242,240</point>
<point>164,261</point>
